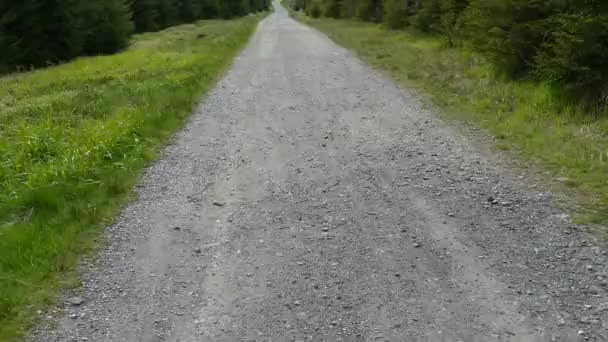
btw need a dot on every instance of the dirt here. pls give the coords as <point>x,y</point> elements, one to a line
<point>311,199</point>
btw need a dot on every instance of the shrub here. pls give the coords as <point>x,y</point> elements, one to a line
<point>574,53</point>
<point>509,32</point>
<point>450,23</point>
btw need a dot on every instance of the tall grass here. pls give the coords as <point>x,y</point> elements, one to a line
<point>73,140</point>
<point>568,141</point>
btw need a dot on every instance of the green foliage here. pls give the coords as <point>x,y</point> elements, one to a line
<point>211,9</point>
<point>38,33</point>
<point>545,129</point>
<point>299,5</point>
<point>395,14</point>
<point>332,9</point>
<point>574,54</point>
<point>509,32</point>
<point>75,138</point>
<point>428,16</point>
<point>313,9</point>
<point>168,13</point>
<point>145,15</point>
<point>189,10</point>
<point>370,10</point>
<point>560,42</point>
<point>108,26</point>
<point>450,19</point>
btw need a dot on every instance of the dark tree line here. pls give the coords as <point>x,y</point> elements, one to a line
<point>564,42</point>
<point>38,32</point>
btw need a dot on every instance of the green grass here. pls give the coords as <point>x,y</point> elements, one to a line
<point>74,139</point>
<point>562,139</point>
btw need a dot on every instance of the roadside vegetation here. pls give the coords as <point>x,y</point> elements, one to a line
<point>532,75</point>
<point>36,33</point>
<point>74,139</point>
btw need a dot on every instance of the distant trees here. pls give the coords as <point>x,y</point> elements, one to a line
<point>36,33</point>
<point>106,25</point>
<point>564,42</point>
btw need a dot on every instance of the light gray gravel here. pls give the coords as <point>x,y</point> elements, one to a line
<point>310,199</point>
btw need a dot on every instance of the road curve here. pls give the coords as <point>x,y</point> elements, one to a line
<point>311,199</point>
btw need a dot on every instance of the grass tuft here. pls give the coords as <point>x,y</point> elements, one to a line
<point>74,139</point>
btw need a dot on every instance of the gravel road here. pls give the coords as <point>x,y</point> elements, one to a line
<point>311,199</point>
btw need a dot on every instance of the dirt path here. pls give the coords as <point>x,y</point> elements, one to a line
<point>311,199</point>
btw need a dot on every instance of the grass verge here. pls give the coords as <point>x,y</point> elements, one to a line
<point>74,139</point>
<point>563,139</point>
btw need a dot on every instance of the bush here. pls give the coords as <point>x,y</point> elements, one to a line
<point>563,43</point>
<point>574,53</point>
<point>450,23</point>
<point>509,32</point>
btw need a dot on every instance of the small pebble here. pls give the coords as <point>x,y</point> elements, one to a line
<point>76,301</point>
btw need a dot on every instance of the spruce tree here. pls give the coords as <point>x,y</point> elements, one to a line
<point>145,15</point>
<point>108,26</point>
<point>35,33</point>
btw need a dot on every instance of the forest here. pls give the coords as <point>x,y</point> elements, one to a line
<point>563,42</point>
<point>38,33</point>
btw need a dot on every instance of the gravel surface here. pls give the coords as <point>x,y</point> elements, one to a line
<point>311,199</point>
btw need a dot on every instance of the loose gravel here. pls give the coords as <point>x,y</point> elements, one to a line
<point>311,199</point>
